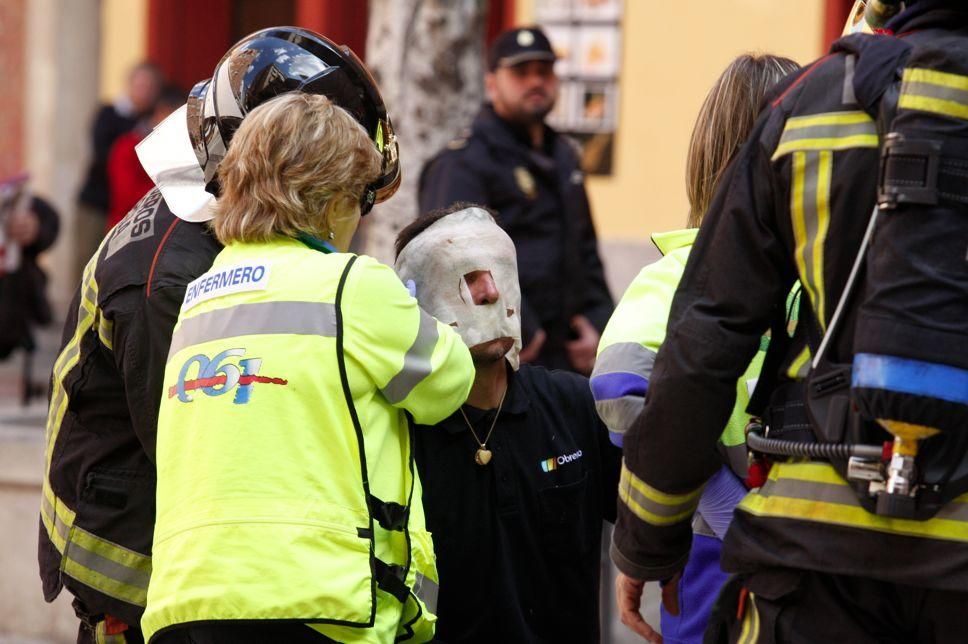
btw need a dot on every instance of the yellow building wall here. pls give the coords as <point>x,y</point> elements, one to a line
<point>672,52</point>
<point>124,43</point>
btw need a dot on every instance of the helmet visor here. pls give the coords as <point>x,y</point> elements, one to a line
<point>375,120</point>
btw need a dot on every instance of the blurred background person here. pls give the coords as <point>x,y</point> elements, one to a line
<point>526,461</point>
<point>514,163</point>
<point>111,121</point>
<point>31,227</point>
<point>127,180</point>
<point>632,338</point>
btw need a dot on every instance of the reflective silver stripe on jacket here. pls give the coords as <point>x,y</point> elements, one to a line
<point>426,590</point>
<point>618,414</point>
<point>259,318</point>
<point>416,363</point>
<point>626,357</point>
<point>629,358</point>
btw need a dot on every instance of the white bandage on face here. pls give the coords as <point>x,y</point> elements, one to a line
<point>437,260</point>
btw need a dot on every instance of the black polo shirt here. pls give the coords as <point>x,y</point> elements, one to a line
<point>518,540</point>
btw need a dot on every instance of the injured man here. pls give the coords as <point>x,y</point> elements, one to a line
<point>517,482</point>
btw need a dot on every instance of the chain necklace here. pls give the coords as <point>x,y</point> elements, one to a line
<point>483,455</point>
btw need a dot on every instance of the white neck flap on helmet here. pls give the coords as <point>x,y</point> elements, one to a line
<point>169,159</point>
<point>437,260</point>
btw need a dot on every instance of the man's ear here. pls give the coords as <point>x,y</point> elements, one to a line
<point>490,86</point>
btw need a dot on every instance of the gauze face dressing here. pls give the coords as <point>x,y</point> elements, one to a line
<point>437,261</point>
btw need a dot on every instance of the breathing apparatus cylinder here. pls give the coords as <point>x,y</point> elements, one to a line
<point>910,369</point>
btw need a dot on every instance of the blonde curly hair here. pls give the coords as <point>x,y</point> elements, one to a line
<point>297,164</point>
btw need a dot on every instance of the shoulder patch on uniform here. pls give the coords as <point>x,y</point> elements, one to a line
<point>250,276</point>
<point>137,225</point>
<point>457,144</point>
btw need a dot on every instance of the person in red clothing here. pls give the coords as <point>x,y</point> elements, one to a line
<point>127,180</point>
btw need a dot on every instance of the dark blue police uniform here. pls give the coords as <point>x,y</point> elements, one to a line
<point>540,199</point>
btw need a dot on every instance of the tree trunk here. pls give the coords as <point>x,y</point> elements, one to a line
<point>427,56</point>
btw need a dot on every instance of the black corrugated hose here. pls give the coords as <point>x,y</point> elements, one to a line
<point>760,443</point>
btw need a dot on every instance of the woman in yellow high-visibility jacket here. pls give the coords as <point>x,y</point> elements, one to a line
<point>285,469</point>
<point>637,329</point>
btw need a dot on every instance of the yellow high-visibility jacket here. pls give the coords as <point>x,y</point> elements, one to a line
<point>285,468</point>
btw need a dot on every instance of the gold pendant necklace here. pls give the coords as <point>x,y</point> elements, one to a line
<point>483,455</point>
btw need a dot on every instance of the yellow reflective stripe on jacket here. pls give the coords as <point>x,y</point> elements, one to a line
<point>750,632</point>
<point>929,90</point>
<point>654,506</point>
<point>69,356</point>
<point>107,567</point>
<point>810,211</point>
<point>815,492</point>
<point>828,131</point>
<point>57,518</point>
<point>105,331</point>
<point>800,366</point>
<point>416,363</point>
<point>619,382</point>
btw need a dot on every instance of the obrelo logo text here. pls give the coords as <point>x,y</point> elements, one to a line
<point>555,462</point>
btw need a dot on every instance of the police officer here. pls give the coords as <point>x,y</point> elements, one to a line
<point>515,164</point>
<point>98,504</point>
<point>814,564</point>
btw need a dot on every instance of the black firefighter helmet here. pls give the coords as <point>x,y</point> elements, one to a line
<point>277,60</point>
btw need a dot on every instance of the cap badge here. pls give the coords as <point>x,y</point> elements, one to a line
<point>525,38</point>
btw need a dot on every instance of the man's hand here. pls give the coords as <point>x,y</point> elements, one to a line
<point>530,353</point>
<point>581,351</point>
<point>628,595</point>
<point>23,228</point>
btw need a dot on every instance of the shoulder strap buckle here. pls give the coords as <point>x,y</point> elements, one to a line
<point>391,579</point>
<point>390,515</point>
<point>909,171</point>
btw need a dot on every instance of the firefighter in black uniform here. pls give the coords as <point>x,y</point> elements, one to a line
<point>813,563</point>
<point>516,165</point>
<point>98,504</point>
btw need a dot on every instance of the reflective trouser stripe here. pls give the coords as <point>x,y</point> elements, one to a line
<point>653,506</point>
<point>829,131</point>
<point>426,590</point>
<point>259,318</point>
<point>815,492</point>
<point>928,90</point>
<point>416,362</point>
<point>107,567</point>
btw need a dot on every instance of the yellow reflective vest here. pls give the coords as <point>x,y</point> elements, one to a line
<point>285,469</point>
<point>634,334</point>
